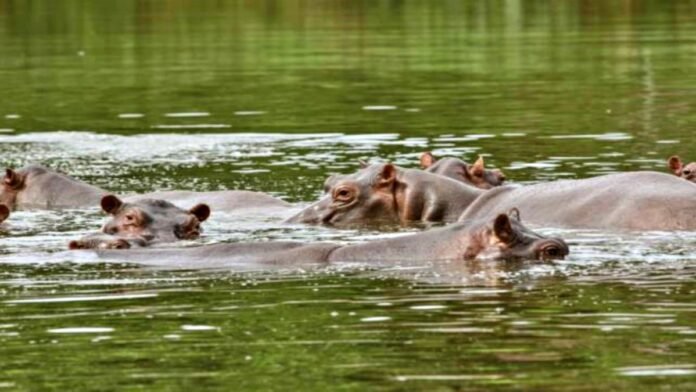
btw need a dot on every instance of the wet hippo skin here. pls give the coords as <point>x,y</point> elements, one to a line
<point>37,187</point>
<point>384,193</point>
<point>501,238</point>
<point>475,175</point>
<point>623,201</point>
<point>685,171</point>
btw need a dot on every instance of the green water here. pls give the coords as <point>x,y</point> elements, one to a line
<point>274,96</point>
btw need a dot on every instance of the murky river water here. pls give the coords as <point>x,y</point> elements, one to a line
<point>138,96</point>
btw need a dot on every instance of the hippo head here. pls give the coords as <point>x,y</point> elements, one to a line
<point>12,184</point>
<point>507,238</point>
<point>4,212</point>
<point>687,172</point>
<point>476,175</point>
<point>365,196</point>
<point>106,241</point>
<point>153,220</point>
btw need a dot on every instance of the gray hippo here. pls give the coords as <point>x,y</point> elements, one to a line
<point>37,187</point>
<point>153,220</point>
<point>502,238</point>
<point>456,169</point>
<point>382,193</point>
<point>106,241</point>
<point>623,201</point>
<point>687,172</point>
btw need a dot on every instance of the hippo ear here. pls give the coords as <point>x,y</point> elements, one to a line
<point>514,213</point>
<point>12,178</point>
<point>427,159</point>
<point>4,212</point>
<point>503,228</point>
<point>675,165</point>
<point>477,169</point>
<point>111,204</point>
<point>201,211</point>
<point>388,175</point>
<point>363,163</point>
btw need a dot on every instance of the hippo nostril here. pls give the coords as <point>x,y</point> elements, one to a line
<point>686,172</point>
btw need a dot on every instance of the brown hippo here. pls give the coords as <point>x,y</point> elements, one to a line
<point>687,172</point>
<point>501,238</point>
<point>383,193</point>
<point>4,213</point>
<point>624,201</point>
<point>37,187</point>
<point>456,169</point>
<point>152,219</point>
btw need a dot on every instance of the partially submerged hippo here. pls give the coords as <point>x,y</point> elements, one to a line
<point>501,238</point>
<point>35,186</point>
<point>153,220</point>
<point>625,201</point>
<point>106,241</point>
<point>687,172</point>
<point>383,193</point>
<point>38,187</point>
<point>456,169</point>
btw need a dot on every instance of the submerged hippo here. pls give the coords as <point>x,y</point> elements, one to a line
<point>107,241</point>
<point>622,201</point>
<point>456,169</point>
<point>153,220</point>
<point>625,201</point>
<point>37,187</point>
<point>687,172</point>
<point>503,237</point>
<point>385,194</point>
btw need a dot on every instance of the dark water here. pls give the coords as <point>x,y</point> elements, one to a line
<point>274,96</point>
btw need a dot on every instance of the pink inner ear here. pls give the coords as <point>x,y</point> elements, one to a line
<point>675,164</point>
<point>201,212</point>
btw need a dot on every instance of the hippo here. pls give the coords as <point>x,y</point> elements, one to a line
<point>687,172</point>
<point>107,241</point>
<point>382,193</point>
<point>501,238</point>
<point>456,169</point>
<point>153,220</point>
<point>621,201</point>
<point>38,187</point>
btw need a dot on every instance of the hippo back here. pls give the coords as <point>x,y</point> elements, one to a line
<point>624,201</point>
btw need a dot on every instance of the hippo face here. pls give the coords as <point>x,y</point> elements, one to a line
<point>106,241</point>
<point>687,172</point>
<point>507,238</point>
<point>365,196</point>
<point>153,220</point>
<point>476,175</point>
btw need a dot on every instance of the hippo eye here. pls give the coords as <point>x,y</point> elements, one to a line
<point>343,194</point>
<point>552,251</point>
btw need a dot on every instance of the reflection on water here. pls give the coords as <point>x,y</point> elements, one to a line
<point>135,96</point>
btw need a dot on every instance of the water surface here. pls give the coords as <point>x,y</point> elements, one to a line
<point>136,96</point>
